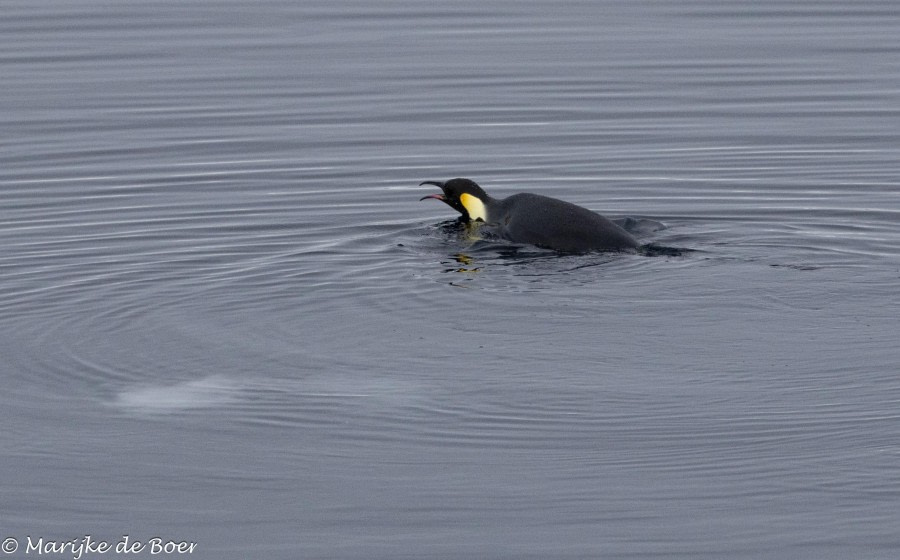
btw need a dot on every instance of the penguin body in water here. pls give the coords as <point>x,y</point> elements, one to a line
<point>534,219</point>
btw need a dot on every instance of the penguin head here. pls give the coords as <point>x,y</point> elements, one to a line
<point>464,196</point>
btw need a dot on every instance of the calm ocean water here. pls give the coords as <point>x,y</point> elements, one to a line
<point>225,317</point>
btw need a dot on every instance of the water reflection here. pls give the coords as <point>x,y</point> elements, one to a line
<point>467,263</point>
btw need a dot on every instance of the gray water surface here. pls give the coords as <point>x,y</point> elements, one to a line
<point>225,317</point>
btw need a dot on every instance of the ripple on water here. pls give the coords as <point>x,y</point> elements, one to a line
<point>223,306</point>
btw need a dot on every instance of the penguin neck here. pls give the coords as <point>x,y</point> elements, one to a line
<point>476,208</point>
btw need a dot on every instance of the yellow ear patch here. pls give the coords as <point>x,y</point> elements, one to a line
<point>474,207</point>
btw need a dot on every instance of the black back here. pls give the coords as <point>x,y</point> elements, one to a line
<point>556,224</point>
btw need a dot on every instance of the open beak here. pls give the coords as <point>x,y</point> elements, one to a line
<point>440,197</point>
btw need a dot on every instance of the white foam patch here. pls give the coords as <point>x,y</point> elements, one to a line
<point>203,393</point>
<point>218,391</point>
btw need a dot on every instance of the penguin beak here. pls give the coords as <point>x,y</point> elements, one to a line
<point>440,197</point>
